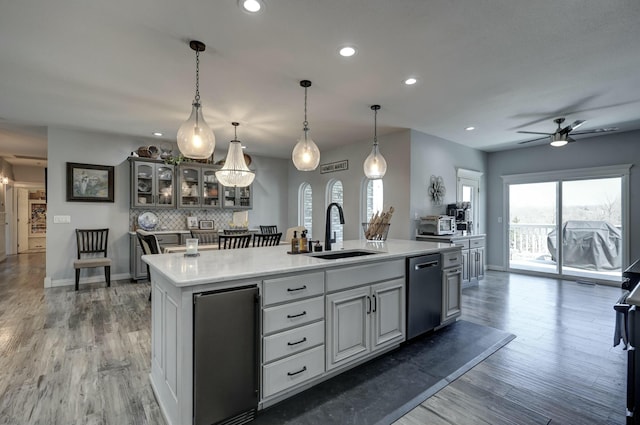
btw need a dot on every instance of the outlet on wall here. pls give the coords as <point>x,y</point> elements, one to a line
<point>66,219</point>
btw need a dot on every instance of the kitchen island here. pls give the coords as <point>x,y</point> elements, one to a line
<point>317,317</point>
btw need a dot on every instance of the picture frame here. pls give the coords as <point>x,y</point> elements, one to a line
<point>192,222</point>
<point>206,224</point>
<point>89,182</point>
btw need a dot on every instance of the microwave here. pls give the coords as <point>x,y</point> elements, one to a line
<point>438,225</point>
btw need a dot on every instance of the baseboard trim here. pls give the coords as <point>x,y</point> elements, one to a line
<point>55,283</point>
<point>496,268</point>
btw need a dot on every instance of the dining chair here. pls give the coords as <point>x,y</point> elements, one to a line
<point>234,241</point>
<point>235,231</point>
<point>205,236</point>
<point>268,229</point>
<point>150,245</point>
<point>268,239</point>
<point>92,252</point>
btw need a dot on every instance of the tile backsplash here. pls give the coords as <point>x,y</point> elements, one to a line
<point>177,219</point>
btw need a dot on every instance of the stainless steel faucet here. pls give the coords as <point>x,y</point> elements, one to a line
<point>327,230</point>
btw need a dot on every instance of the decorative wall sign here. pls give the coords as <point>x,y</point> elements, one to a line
<point>437,190</point>
<point>89,183</point>
<point>334,166</point>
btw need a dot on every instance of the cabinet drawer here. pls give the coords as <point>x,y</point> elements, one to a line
<point>293,287</point>
<point>476,243</point>
<point>292,314</point>
<point>463,243</point>
<point>350,277</point>
<point>292,371</point>
<point>172,239</point>
<point>293,341</point>
<point>451,259</point>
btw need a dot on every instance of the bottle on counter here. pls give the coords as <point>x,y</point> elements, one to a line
<point>303,242</point>
<point>295,243</point>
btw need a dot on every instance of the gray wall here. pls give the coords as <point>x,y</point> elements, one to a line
<point>28,174</point>
<point>395,148</point>
<point>612,149</point>
<point>67,145</point>
<point>432,155</point>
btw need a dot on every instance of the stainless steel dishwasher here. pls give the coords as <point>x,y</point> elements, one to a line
<point>225,356</point>
<point>424,294</point>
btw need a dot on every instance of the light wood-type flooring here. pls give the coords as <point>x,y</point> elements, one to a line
<point>82,357</point>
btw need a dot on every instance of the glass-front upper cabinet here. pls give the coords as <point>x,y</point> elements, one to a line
<point>237,198</point>
<point>152,185</point>
<point>210,187</point>
<point>190,184</point>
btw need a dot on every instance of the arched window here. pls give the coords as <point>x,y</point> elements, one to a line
<point>305,207</point>
<point>372,198</point>
<point>335,194</point>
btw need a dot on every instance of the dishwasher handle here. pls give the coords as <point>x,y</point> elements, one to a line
<point>426,265</point>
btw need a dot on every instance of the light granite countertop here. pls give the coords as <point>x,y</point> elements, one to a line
<point>248,263</point>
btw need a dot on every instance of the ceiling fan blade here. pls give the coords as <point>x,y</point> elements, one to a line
<point>535,132</point>
<point>597,130</point>
<point>568,129</point>
<point>570,139</point>
<point>534,140</point>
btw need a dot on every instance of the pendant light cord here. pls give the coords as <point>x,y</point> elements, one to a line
<point>305,123</point>
<point>197,98</point>
<point>375,127</point>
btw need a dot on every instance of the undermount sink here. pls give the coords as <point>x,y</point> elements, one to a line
<point>342,254</point>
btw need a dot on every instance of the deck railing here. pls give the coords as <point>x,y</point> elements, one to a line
<point>528,240</point>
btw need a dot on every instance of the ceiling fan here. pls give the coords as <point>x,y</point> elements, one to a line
<point>561,136</point>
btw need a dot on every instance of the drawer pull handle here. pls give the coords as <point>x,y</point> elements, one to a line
<point>302,288</point>
<point>304,368</point>
<point>453,259</point>
<point>297,342</point>
<point>425,265</point>
<point>293,316</point>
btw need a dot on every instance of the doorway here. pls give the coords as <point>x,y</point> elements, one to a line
<point>572,224</point>
<point>31,220</point>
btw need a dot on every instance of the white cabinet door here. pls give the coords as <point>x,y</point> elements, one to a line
<point>480,263</point>
<point>348,325</point>
<point>466,269</point>
<point>451,293</point>
<point>388,313</point>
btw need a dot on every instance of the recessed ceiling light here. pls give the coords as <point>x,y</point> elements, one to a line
<point>251,6</point>
<point>470,128</point>
<point>347,51</point>
<point>410,81</point>
<point>157,134</point>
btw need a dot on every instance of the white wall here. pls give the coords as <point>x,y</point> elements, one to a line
<point>67,145</point>
<point>395,148</point>
<point>611,149</point>
<point>432,155</point>
<point>28,174</point>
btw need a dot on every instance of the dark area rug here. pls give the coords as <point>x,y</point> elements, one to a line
<point>384,389</point>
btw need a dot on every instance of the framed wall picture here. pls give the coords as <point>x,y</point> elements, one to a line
<point>206,224</point>
<point>89,183</point>
<point>192,222</point>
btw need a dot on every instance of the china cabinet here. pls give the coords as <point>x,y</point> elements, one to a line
<point>198,186</point>
<point>152,184</point>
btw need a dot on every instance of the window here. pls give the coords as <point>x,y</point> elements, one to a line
<point>468,190</point>
<point>305,208</point>
<point>335,194</point>
<point>372,198</point>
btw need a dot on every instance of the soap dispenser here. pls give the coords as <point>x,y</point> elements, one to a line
<point>303,241</point>
<point>295,243</point>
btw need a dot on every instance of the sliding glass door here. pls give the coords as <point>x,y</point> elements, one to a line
<point>569,225</point>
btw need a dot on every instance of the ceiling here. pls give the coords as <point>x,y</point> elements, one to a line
<point>500,65</point>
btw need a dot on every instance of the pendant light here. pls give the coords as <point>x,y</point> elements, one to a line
<point>235,172</point>
<point>375,165</point>
<point>195,138</point>
<point>305,155</point>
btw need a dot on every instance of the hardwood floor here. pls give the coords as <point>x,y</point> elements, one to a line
<point>82,357</point>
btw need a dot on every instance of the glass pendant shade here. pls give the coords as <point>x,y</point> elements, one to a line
<point>195,138</point>
<point>305,155</point>
<point>375,166</point>
<point>234,172</point>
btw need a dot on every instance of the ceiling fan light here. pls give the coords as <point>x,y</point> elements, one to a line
<point>558,140</point>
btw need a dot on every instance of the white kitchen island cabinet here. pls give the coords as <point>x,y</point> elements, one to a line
<point>305,314</point>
